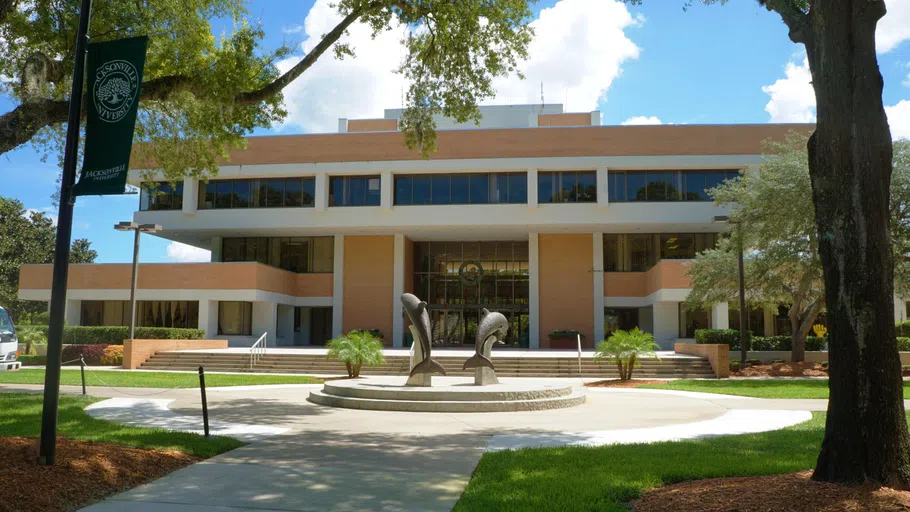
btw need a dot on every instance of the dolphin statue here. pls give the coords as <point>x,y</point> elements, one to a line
<point>493,327</point>
<point>417,312</point>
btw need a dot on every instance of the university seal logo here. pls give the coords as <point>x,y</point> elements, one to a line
<point>116,88</point>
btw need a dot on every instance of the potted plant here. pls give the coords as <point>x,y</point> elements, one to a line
<point>355,349</point>
<point>625,348</point>
<point>565,338</point>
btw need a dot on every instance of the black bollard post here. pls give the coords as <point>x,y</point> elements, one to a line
<point>205,407</point>
<point>82,369</point>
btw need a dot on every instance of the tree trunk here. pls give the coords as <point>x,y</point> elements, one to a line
<point>350,369</point>
<point>631,367</point>
<point>621,369</point>
<point>850,158</point>
<point>357,370</point>
<point>800,324</point>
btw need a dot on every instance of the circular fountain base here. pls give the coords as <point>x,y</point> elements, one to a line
<point>448,394</point>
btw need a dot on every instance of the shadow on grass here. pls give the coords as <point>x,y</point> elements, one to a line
<point>22,417</point>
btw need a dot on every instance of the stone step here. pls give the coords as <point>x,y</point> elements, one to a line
<point>577,397</point>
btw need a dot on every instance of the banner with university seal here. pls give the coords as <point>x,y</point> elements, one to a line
<point>114,70</point>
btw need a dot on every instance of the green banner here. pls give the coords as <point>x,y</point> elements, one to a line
<point>114,72</point>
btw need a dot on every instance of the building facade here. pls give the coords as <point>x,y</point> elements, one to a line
<point>548,217</point>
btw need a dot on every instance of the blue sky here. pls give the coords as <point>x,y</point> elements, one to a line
<point>651,63</point>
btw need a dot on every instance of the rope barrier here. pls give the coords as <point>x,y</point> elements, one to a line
<point>120,390</point>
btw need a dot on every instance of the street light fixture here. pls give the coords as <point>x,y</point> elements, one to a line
<point>137,228</point>
<point>743,342</point>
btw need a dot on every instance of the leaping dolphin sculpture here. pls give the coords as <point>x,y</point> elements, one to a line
<point>417,312</point>
<point>493,327</point>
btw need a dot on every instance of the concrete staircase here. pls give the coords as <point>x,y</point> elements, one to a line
<point>506,365</point>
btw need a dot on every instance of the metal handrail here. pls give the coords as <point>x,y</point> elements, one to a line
<point>578,337</point>
<point>258,349</point>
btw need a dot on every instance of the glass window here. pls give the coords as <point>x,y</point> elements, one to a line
<point>235,318</point>
<point>441,192</point>
<point>293,192</point>
<point>223,192</point>
<point>660,187</point>
<point>404,193</point>
<point>713,179</point>
<point>501,194</point>
<point>480,188</point>
<point>309,192</point>
<point>373,187</point>
<point>518,188</point>
<point>461,189</point>
<point>694,186</point>
<point>336,184</point>
<point>689,321</point>
<point>617,185</point>
<point>545,187</point>
<point>641,253</point>
<point>422,186</point>
<point>241,194</point>
<point>611,253</point>
<point>677,246</point>
<point>636,186</point>
<point>587,187</point>
<point>568,192</point>
<point>271,193</point>
<point>354,191</point>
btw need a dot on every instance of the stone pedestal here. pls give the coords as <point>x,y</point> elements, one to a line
<point>484,376</point>
<point>421,379</point>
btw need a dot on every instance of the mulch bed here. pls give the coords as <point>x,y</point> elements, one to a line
<point>616,383</point>
<point>84,473</point>
<point>793,492</point>
<point>782,370</point>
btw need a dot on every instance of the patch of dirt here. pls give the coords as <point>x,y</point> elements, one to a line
<point>793,492</point>
<point>803,369</point>
<point>616,383</point>
<point>84,473</point>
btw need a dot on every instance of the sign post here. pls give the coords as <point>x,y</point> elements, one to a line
<point>114,81</point>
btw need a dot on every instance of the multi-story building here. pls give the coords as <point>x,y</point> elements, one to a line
<point>554,220</point>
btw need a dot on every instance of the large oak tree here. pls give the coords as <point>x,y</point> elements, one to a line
<point>202,95</point>
<point>850,162</point>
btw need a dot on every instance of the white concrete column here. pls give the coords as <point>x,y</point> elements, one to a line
<point>265,319</point>
<point>208,318</point>
<point>532,188</point>
<point>72,312</point>
<point>598,275</point>
<point>900,309</point>
<point>603,187</point>
<point>190,196</point>
<point>533,290</point>
<point>338,288</point>
<point>321,201</point>
<point>385,190</point>
<point>398,278</point>
<point>720,316</point>
<point>666,324</point>
<point>215,248</point>
<point>285,326</point>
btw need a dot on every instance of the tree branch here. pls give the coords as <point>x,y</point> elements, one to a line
<point>795,19</point>
<point>22,123</point>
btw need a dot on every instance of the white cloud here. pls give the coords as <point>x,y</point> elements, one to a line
<point>578,50</point>
<point>899,119</point>
<point>894,28</point>
<point>792,97</point>
<point>642,120</point>
<point>184,253</point>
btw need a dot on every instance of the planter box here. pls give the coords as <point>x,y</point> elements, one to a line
<point>565,343</point>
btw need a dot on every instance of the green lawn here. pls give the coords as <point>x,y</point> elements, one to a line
<point>145,379</point>
<point>606,478</point>
<point>22,417</point>
<point>816,388</point>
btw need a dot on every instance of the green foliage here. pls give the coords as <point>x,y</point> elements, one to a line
<point>719,337</point>
<point>31,336</point>
<point>91,354</point>
<point>566,334</point>
<point>756,343</point>
<point>112,355</point>
<point>114,335</point>
<point>902,328</point>
<point>625,348</point>
<point>203,94</point>
<point>355,349</point>
<point>903,344</point>
<point>22,417</point>
<point>28,237</point>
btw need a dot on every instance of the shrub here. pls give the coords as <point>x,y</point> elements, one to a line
<point>91,353</point>
<point>112,355</point>
<point>719,337</point>
<point>355,349</point>
<point>625,348</point>
<point>31,335</point>
<point>114,335</point>
<point>735,366</point>
<point>766,343</point>
<point>902,328</point>
<point>566,334</point>
<point>903,344</point>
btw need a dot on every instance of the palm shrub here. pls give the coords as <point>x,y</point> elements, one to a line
<point>31,336</point>
<point>355,349</point>
<point>625,348</point>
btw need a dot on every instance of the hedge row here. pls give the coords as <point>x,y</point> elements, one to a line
<point>902,328</point>
<point>757,343</point>
<point>114,335</point>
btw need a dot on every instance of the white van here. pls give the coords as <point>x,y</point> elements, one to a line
<point>9,343</point>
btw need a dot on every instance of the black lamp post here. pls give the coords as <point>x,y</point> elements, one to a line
<point>743,340</point>
<point>138,228</point>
